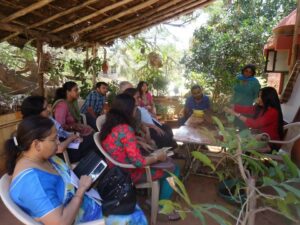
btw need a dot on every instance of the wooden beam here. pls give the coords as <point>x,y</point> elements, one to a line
<point>119,27</point>
<point>39,51</point>
<point>35,34</point>
<point>90,16</point>
<point>184,8</point>
<point>159,12</point>
<point>26,10</point>
<point>141,26</point>
<point>117,16</point>
<point>51,18</point>
<point>295,46</point>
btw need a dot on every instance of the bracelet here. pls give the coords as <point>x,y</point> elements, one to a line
<point>238,115</point>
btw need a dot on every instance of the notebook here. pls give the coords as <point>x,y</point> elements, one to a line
<point>91,165</point>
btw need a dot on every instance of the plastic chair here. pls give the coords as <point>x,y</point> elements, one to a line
<point>292,134</point>
<point>100,121</point>
<point>83,118</point>
<point>18,212</point>
<point>153,185</point>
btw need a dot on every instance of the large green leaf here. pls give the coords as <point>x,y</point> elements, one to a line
<point>292,189</point>
<point>204,159</point>
<point>292,167</point>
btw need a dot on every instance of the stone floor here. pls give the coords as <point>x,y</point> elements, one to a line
<point>201,189</point>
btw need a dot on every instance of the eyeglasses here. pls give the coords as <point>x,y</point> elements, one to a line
<point>53,140</point>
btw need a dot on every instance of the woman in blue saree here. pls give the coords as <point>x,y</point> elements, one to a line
<point>41,182</point>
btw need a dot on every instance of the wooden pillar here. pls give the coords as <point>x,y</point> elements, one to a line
<point>94,53</point>
<point>295,47</point>
<point>39,50</point>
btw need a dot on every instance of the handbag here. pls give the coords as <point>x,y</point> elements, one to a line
<point>118,192</point>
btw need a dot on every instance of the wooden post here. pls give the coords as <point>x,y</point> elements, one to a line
<point>295,47</point>
<point>94,52</point>
<point>39,51</point>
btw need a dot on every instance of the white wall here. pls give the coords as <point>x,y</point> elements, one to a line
<point>290,108</point>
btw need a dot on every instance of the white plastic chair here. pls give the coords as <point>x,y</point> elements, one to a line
<point>291,136</point>
<point>153,185</point>
<point>18,212</point>
<point>83,118</point>
<point>100,121</point>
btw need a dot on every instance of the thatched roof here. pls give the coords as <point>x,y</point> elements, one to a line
<point>78,23</point>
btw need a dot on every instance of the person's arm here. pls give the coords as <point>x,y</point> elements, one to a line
<point>60,114</point>
<point>250,110</point>
<point>91,98</point>
<point>66,215</point>
<point>270,116</point>
<point>187,108</point>
<point>134,155</point>
<point>156,128</point>
<point>64,144</point>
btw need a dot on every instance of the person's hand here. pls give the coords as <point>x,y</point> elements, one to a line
<point>72,137</point>
<point>84,183</point>
<point>159,131</point>
<point>161,156</point>
<point>146,146</point>
<point>228,110</point>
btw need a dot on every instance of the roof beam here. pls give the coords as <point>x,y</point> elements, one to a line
<point>25,10</point>
<point>90,16</point>
<point>117,16</point>
<point>169,6</point>
<point>32,33</point>
<point>51,18</point>
<point>152,22</point>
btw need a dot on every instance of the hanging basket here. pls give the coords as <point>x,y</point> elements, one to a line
<point>155,60</point>
<point>105,67</point>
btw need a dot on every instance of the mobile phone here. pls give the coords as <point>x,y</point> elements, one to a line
<point>98,170</point>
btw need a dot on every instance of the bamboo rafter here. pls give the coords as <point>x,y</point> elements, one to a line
<point>129,11</point>
<point>26,10</point>
<point>136,30</point>
<point>90,16</point>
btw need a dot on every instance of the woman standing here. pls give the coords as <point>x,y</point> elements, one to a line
<point>246,89</point>
<point>145,97</point>
<point>41,182</point>
<point>66,110</point>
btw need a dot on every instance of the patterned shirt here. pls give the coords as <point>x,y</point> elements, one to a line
<point>121,145</point>
<point>94,100</point>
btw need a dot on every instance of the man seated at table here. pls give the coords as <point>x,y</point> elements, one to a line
<point>94,102</point>
<point>197,101</point>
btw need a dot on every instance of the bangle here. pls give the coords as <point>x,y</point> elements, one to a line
<point>238,115</point>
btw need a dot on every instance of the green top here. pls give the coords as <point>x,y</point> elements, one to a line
<point>245,91</point>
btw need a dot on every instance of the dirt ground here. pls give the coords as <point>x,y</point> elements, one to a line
<point>201,189</point>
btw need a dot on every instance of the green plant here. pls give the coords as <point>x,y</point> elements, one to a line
<point>113,88</point>
<point>255,174</point>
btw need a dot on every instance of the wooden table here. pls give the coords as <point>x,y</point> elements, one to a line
<point>194,139</point>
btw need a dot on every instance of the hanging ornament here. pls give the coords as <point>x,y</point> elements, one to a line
<point>105,63</point>
<point>155,60</point>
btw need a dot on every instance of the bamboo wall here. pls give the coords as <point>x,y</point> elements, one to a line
<point>8,124</point>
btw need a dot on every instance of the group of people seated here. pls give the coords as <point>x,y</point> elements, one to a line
<point>42,182</point>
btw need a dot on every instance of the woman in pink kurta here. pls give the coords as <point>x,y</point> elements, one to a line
<point>66,110</point>
<point>145,97</point>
